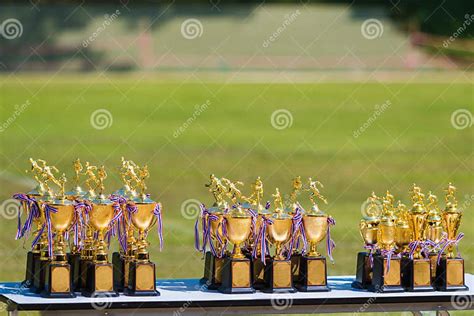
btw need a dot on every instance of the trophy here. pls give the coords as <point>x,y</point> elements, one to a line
<point>212,219</point>
<point>417,268</point>
<point>403,231</point>
<point>143,213</point>
<point>313,268</point>
<point>255,254</point>
<point>387,266</point>
<point>368,228</point>
<point>99,272</point>
<point>278,277</point>
<point>122,259</point>
<point>59,215</point>
<point>237,225</point>
<point>450,269</point>
<point>434,232</point>
<point>294,210</point>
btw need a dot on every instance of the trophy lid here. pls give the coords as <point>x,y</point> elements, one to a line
<point>238,212</point>
<point>143,199</point>
<point>315,211</point>
<point>60,201</point>
<point>101,199</point>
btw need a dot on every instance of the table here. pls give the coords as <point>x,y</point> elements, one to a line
<point>187,297</point>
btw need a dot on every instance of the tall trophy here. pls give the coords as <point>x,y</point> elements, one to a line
<point>236,273</point>
<point>294,210</point>
<point>143,213</point>
<point>387,265</point>
<point>316,225</point>
<point>99,273</point>
<point>450,270</point>
<point>212,234</point>
<point>368,227</point>
<point>434,232</point>
<point>278,277</point>
<point>59,215</point>
<point>417,267</point>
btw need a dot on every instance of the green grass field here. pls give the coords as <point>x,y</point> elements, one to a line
<point>413,140</point>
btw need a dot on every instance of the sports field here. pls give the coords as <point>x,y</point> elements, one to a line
<point>353,137</point>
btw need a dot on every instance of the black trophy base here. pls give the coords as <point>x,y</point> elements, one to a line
<point>295,267</point>
<point>364,272</point>
<point>39,276</point>
<point>31,258</point>
<point>141,280</point>
<point>74,260</point>
<point>58,281</point>
<point>99,280</point>
<point>216,265</point>
<point>416,275</point>
<point>450,275</point>
<point>258,272</point>
<point>389,282</point>
<point>236,277</point>
<point>119,276</point>
<point>207,268</point>
<point>313,275</point>
<point>278,277</point>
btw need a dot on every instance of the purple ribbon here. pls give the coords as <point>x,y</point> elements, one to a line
<point>48,209</point>
<point>38,236</point>
<point>261,238</point>
<point>33,212</point>
<point>207,234</point>
<point>389,254</point>
<point>81,208</point>
<point>157,213</point>
<point>371,248</point>
<point>202,213</point>
<point>448,242</point>
<point>330,244</point>
<point>297,226</point>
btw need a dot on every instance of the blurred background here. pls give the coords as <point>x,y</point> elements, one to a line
<point>361,95</point>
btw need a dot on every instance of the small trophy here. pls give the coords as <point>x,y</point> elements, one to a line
<point>417,267</point>
<point>236,273</point>
<point>368,228</point>
<point>313,268</point>
<point>144,213</point>
<point>278,277</point>
<point>434,232</point>
<point>387,266</point>
<point>99,273</point>
<point>450,270</point>
<point>213,235</point>
<point>59,215</point>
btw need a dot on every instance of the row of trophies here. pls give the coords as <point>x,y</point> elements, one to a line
<point>410,249</point>
<point>87,221</point>
<point>253,227</point>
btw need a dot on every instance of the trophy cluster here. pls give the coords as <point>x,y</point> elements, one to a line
<point>412,248</point>
<point>87,221</point>
<point>255,227</point>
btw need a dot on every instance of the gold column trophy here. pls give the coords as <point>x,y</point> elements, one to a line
<point>450,269</point>
<point>294,210</point>
<point>212,234</point>
<point>99,273</point>
<point>387,265</point>
<point>236,226</point>
<point>417,267</point>
<point>368,227</point>
<point>59,216</point>
<point>434,232</point>
<point>143,213</point>
<point>278,277</point>
<point>316,227</point>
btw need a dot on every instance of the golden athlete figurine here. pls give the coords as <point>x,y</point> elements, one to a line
<point>373,207</point>
<point>217,189</point>
<point>143,174</point>
<point>232,191</point>
<point>91,181</point>
<point>277,200</point>
<point>102,175</point>
<point>297,186</point>
<point>450,195</point>
<point>313,188</point>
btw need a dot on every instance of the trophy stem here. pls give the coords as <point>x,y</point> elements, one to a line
<point>142,254</point>
<point>313,250</point>
<point>237,252</point>
<point>60,255</point>
<point>101,253</point>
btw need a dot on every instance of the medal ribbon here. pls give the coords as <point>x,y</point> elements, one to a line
<point>48,209</point>
<point>330,244</point>
<point>262,239</point>
<point>448,242</point>
<point>157,213</point>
